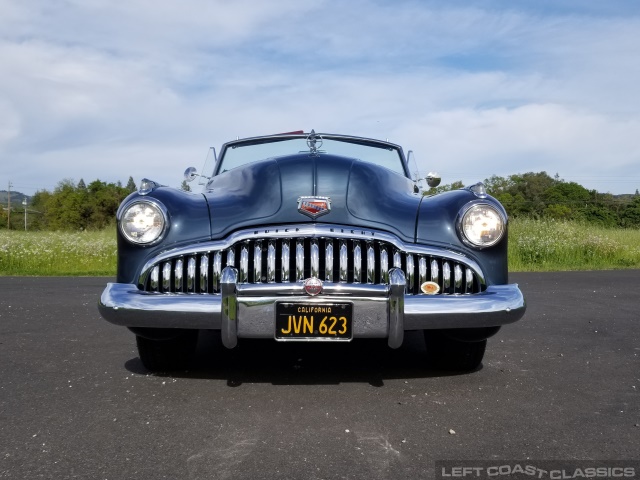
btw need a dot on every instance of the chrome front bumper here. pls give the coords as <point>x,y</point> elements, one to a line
<point>248,310</point>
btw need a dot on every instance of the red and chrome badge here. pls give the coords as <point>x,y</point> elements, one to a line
<point>312,286</point>
<point>314,206</point>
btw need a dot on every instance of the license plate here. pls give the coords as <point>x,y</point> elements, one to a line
<point>314,321</point>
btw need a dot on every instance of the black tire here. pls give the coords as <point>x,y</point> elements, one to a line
<point>445,353</point>
<point>168,354</point>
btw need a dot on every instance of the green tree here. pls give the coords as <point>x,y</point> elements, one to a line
<point>444,188</point>
<point>131,185</point>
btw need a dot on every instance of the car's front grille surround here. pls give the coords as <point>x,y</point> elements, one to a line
<point>334,258</point>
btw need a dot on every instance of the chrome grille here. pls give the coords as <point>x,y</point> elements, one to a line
<point>285,260</point>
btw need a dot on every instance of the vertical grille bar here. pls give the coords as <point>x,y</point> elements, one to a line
<point>435,271</point>
<point>371,263</point>
<point>166,277</point>
<point>469,281</point>
<point>191,275</point>
<point>257,262</point>
<point>410,274</point>
<point>153,283</point>
<point>231,257</point>
<point>271,262</point>
<point>204,273</point>
<point>384,265</point>
<point>446,276</point>
<point>178,273</point>
<point>299,260</point>
<point>422,271</point>
<point>285,261</point>
<point>244,263</point>
<point>397,259</point>
<point>344,261</point>
<point>457,275</point>
<point>315,258</point>
<point>217,269</point>
<point>357,262</point>
<point>328,260</point>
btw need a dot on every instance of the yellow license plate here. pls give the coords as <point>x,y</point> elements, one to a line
<point>314,321</point>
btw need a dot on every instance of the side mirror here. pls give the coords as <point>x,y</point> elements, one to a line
<point>433,179</point>
<point>190,174</point>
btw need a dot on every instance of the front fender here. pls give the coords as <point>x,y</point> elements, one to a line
<point>436,225</point>
<point>188,222</point>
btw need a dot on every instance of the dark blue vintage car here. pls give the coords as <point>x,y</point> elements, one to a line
<point>311,238</point>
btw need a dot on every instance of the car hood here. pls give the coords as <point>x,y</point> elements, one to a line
<point>266,193</point>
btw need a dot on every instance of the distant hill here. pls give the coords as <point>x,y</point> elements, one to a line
<point>16,198</point>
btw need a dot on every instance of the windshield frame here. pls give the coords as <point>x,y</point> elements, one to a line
<point>325,136</point>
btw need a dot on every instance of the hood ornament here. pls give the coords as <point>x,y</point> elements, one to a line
<point>314,142</point>
<point>314,207</point>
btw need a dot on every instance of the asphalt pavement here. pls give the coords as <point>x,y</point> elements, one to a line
<point>76,402</point>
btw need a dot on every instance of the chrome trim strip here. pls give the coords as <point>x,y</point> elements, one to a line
<point>329,289</point>
<point>397,286</point>
<point>229,311</point>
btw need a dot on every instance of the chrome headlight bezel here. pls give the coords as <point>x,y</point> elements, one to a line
<point>160,215</point>
<point>465,230</point>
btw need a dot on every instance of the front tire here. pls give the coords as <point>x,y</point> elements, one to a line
<point>167,354</point>
<point>446,353</point>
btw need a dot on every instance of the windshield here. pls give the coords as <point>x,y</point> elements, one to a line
<point>384,155</point>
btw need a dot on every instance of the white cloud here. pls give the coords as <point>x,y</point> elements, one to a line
<point>101,89</point>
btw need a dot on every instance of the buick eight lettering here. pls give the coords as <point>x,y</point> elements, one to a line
<point>306,237</point>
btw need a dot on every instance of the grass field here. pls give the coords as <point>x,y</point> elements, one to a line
<point>58,253</point>
<point>534,245</point>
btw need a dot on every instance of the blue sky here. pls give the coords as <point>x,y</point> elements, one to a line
<point>107,89</point>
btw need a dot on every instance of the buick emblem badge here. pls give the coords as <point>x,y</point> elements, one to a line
<point>314,206</point>
<point>312,286</point>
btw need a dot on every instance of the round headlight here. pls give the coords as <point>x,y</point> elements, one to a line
<point>142,222</point>
<point>482,225</point>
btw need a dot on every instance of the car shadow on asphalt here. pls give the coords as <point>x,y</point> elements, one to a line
<point>296,363</point>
